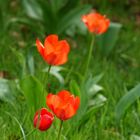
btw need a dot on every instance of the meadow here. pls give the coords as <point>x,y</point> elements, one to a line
<point>102,70</point>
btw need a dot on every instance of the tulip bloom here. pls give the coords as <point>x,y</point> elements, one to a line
<point>54,52</point>
<point>44,120</point>
<point>96,23</point>
<point>64,105</point>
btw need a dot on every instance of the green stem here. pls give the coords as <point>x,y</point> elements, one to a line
<point>89,56</point>
<point>48,76</point>
<point>60,128</point>
<point>46,80</point>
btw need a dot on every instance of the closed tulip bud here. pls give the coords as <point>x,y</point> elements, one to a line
<point>43,119</point>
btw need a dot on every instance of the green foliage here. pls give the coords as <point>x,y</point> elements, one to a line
<point>7,90</point>
<point>55,71</point>
<point>126,101</point>
<point>19,124</point>
<point>51,14</point>
<point>134,137</point>
<point>1,20</point>
<point>32,9</point>
<point>34,93</point>
<point>107,41</point>
<point>74,88</point>
<point>90,97</point>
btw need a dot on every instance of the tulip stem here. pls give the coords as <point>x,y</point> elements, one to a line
<point>89,56</point>
<point>60,128</point>
<point>46,80</point>
<point>48,75</point>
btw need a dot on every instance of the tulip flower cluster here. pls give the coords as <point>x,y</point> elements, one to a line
<point>63,105</point>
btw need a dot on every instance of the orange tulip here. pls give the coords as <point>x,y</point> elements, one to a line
<point>96,23</point>
<point>64,105</point>
<point>53,51</point>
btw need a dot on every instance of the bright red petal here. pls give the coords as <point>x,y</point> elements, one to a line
<point>43,119</point>
<point>76,103</point>
<point>50,58</point>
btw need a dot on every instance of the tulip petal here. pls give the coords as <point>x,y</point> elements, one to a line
<point>64,104</point>
<point>50,58</point>
<point>40,47</point>
<point>54,52</point>
<point>63,46</point>
<point>49,48</point>
<point>60,113</point>
<point>52,39</point>
<point>69,111</point>
<point>96,23</point>
<point>61,59</point>
<point>64,95</point>
<point>43,119</point>
<point>50,43</point>
<point>76,103</point>
<point>53,101</point>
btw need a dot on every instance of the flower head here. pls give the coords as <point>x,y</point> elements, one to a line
<point>64,105</point>
<point>43,119</point>
<point>96,22</point>
<point>53,51</point>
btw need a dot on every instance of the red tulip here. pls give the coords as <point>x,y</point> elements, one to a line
<point>64,105</point>
<point>96,23</point>
<point>53,51</point>
<point>44,120</point>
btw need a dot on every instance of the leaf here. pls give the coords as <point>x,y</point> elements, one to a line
<point>68,5</point>
<point>94,89</point>
<point>126,101</point>
<point>22,62</point>
<point>135,137</point>
<point>25,21</point>
<point>33,92</point>
<point>86,92</point>
<point>74,88</point>
<point>55,71</point>
<point>107,41</point>
<point>71,17</point>
<point>30,61</point>
<point>56,5</point>
<point>6,91</point>
<point>32,9</point>
<point>91,85</point>
<point>97,101</point>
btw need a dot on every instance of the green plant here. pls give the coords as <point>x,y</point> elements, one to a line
<point>54,17</point>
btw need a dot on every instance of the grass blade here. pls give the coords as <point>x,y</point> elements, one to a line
<point>20,126</point>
